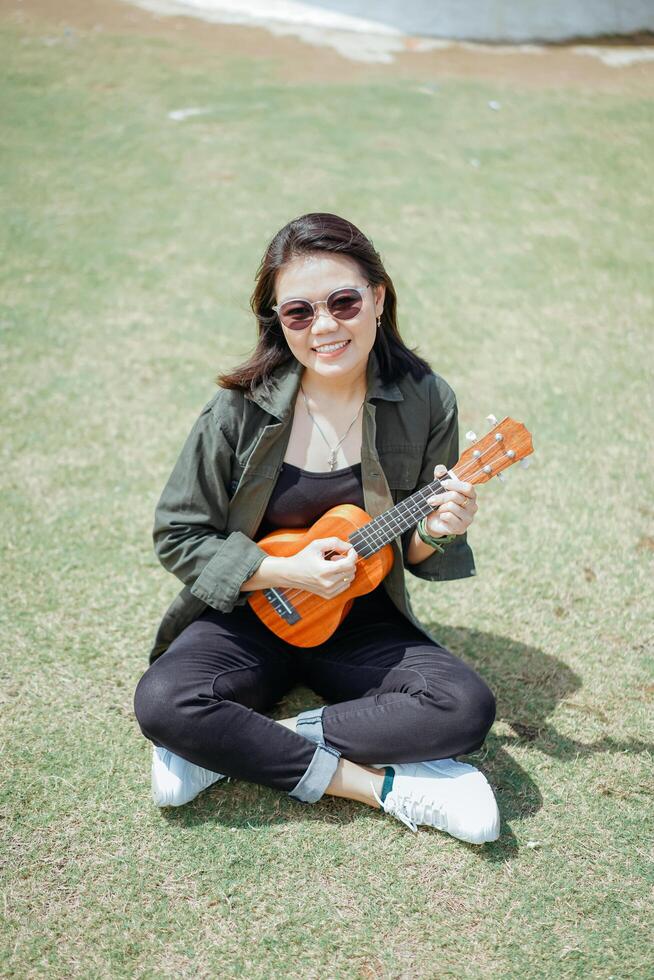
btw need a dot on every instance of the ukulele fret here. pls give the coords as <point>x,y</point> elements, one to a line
<point>384,528</point>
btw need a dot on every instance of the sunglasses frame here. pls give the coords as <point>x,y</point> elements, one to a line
<point>321,302</point>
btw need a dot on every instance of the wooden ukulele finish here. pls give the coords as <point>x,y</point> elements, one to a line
<point>303,618</point>
<point>318,617</point>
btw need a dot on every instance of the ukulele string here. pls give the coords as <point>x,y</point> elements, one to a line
<point>304,594</point>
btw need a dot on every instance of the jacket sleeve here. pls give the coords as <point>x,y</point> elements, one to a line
<point>190,524</point>
<point>456,560</point>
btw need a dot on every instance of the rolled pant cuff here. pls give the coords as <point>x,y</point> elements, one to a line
<point>309,724</point>
<point>318,776</point>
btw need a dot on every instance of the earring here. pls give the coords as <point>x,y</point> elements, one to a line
<point>378,322</point>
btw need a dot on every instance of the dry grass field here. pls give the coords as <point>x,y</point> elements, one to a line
<point>519,240</point>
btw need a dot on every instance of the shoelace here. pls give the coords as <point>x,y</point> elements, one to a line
<point>412,811</point>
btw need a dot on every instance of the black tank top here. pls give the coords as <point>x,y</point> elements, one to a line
<point>300,497</point>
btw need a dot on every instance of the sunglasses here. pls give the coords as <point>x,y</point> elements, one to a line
<point>343,304</point>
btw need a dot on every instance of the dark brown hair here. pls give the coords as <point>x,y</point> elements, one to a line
<point>319,232</point>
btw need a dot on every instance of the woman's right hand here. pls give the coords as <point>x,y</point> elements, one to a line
<point>326,577</point>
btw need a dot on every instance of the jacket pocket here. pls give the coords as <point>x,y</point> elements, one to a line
<point>401,466</point>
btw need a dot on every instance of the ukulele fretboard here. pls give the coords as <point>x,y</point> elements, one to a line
<point>381,530</point>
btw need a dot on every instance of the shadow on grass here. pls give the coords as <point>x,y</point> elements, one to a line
<point>528,685</point>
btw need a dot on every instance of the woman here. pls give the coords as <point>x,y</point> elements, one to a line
<point>331,408</point>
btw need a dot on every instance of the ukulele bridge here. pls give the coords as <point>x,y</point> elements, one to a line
<point>282,606</point>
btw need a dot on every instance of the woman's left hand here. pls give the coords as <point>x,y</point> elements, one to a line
<point>455,509</point>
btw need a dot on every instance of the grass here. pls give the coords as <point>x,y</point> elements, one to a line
<point>131,243</point>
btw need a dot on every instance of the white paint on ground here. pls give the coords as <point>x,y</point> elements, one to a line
<point>180,114</point>
<point>353,37</point>
<point>616,57</point>
<point>357,38</point>
<point>283,11</point>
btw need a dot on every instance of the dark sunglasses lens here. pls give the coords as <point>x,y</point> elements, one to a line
<point>344,304</point>
<point>296,315</point>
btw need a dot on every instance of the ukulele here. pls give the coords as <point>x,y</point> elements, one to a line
<point>305,619</point>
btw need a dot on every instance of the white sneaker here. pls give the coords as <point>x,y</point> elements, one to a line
<point>448,795</point>
<point>176,781</point>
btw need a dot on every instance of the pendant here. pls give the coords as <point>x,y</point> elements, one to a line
<point>332,461</point>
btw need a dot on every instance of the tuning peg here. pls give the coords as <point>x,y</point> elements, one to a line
<point>471,436</point>
<point>502,477</point>
<point>524,463</point>
<point>491,420</point>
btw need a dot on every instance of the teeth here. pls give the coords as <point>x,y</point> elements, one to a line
<point>328,347</point>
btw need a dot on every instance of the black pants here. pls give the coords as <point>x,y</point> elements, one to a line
<point>392,696</point>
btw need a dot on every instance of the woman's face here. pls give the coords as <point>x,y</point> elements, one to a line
<point>314,277</point>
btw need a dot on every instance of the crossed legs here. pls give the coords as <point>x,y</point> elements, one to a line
<point>397,698</point>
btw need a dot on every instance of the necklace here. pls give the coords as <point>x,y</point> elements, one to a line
<point>334,451</point>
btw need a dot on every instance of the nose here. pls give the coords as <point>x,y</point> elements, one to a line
<point>324,322</point>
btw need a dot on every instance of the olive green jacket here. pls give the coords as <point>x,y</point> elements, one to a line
<point>207,517</point>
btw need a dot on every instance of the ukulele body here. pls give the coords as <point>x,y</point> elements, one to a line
<point>318,618</point>
<point>305,619</point>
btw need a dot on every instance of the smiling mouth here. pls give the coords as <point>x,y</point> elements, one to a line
<point>326,348</point>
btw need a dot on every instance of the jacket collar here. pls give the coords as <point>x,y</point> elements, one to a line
<point>278,397</point>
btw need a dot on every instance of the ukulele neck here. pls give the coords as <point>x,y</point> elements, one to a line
<point>508,442</point>
<point>381,530</point>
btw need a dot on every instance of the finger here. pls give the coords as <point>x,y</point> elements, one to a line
<point>440,471</point>
<point>345,563</point>
<point>343,578</point>
<point>441,499</point>
<point>450,487</point>
<point>464,504</point>
<point>437,527</point>
<point>453,523</point>
<point>455,484</point>
<point>337,544</point>
<point>334,544</point>
<point>455,509</point>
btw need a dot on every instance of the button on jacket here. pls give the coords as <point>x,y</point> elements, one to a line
<point>207,517</point>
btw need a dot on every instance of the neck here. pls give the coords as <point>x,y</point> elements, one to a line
<point>344,390</point>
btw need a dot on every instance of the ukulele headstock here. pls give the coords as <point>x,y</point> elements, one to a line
<point>507,443</point>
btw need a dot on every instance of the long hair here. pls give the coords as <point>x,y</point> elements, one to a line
<point>310,233</point>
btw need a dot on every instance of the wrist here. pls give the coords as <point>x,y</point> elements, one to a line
<point>280,571</point>
<point>424,523</point>
<point>271,573</point>
<point>434,541</point>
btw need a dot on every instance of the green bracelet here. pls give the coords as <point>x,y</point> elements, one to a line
<point>435,543</point>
